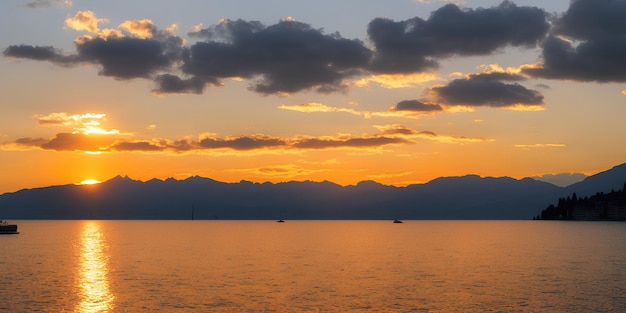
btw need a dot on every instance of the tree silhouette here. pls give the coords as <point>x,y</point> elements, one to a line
<point>599,204</point>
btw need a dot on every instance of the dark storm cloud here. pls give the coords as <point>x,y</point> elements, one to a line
<point>416,106</point>
<point>413,45</point>
<point>286,57</point>
<point>486,90</point>
<point>598,31</point>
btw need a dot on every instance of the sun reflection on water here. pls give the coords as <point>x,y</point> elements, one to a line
<point>94,284</point>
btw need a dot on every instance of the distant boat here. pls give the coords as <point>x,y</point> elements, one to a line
<point>397,221</point>
<point>280,221</point>
<point>7,229</point>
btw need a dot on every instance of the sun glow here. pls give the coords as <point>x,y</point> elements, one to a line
<point>90,182</point>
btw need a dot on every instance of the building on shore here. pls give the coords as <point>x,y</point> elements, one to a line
<point>610,206</point>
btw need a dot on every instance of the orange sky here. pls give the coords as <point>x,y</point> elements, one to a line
<point>85,96</point>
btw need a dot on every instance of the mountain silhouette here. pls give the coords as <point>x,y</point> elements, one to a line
<point>462,197</point>
<point>601,182</point>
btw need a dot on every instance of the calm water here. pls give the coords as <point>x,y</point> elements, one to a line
<point>300,266</point>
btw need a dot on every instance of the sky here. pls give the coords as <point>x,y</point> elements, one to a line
<point>399,92</point>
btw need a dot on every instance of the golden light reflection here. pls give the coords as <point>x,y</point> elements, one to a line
<point>94,284</point>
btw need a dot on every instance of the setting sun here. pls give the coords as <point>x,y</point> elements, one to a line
<point>90,182</point>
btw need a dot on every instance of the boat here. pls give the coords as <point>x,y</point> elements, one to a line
<point>397,221</point>
<point>280,221</point>
<point>7,229</point>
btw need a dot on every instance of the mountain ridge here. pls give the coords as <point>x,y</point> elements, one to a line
<point>455,197</point>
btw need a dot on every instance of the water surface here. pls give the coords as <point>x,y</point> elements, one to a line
<point>300,266</point>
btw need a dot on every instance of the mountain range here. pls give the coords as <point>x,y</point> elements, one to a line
<point>462,197</point>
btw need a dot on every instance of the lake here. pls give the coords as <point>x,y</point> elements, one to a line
<point>313,266</point>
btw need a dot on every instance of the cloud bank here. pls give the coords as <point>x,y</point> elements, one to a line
<point>87,136</point>
<point>587,43</point>
<point>290,56</point>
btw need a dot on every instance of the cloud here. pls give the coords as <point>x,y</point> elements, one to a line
<point>140,28</point>
<point>588,19</point>
<point>404,132</point>
<point>29,142</point>
<point>486,89</point>
<point>88,143</point>
<point>141,57</point>
<point>414,45</point>
<point>416,106</point>
<point>395,81</point>
<point>137,146</point>
<point>97,143</point>
<point>319,107</point>
<point>77,142</point>
<point>366,142</point>
<point>38,4</point>
<point>85,20</point>
<point>588,43</point>
<point>598,60</point>
<point>144,53</point>
<point>172,84</point>
<point>64,119</point>
<point>88,123</point>
<point>405,109</point>
<point>242,143</point>
<point>290,56</point>
<point>285,57</point>
<point>37,53</point>
<point>264,142</point>
<point>539,145</point>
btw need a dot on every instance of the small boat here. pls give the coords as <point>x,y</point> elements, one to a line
<point>7,229</point>
<point>280,221</point>
<point>397,221</point>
